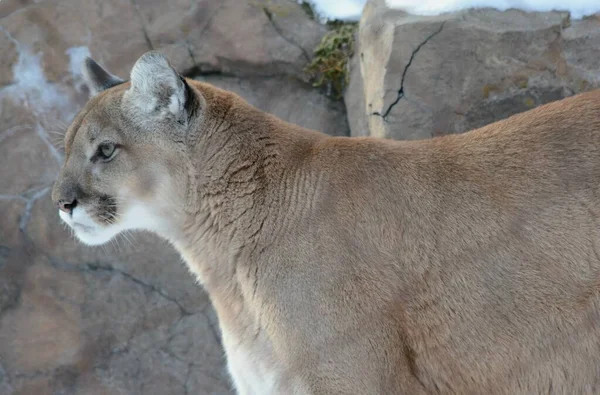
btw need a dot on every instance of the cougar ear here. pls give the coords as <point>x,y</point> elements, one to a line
<point>96,78</point>
<point>157,89</point>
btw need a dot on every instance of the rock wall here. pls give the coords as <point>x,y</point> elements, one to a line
<point>417,77</point>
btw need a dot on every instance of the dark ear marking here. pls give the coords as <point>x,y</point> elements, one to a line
<point>98,79</point>
<point>191,100</point>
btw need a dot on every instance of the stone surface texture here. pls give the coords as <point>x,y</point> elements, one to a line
<point>417,77</point>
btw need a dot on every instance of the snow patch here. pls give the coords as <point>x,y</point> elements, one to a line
<point>51,104</point>
<point>350,10</point>
<point>344,10</point>
<point>32,88</point>
<point>42,98</point>
<point>577,8</point>
<point>77,56</point>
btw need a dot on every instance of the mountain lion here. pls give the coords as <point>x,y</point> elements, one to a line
<point>464,264</point>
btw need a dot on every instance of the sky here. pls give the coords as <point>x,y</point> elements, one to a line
<point>350,10</point>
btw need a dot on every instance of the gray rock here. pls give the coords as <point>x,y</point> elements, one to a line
<point>289,99</point>
<point>417,77</point>
<point>261,37</point>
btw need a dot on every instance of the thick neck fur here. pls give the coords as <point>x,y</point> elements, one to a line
<point>236,165</point>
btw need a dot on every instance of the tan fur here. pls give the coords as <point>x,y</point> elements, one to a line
<point>465,264</point>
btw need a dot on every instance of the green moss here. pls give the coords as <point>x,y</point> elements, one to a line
<point>308,10</point>
<point>273,9</point>
<point>529,102</point>
<point>333,24</point>
<point>566,22</point>
<point>489,88</point>
<point>522,82</point>
<point>329,67</point>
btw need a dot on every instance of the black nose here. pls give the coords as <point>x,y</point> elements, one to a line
<point>66,206</point>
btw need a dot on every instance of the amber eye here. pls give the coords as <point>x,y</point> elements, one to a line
<point>106,150</point>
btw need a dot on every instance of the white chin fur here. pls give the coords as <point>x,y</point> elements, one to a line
<point>91,233</point>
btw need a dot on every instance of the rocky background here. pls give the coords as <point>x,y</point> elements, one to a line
<point>128,318</point>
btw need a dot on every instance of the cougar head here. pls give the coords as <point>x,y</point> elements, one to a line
<point>125,163</point>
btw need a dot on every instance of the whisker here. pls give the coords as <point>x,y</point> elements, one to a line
<point>59,145</point>
<point>119,200</point>
<point>115,244</point>
<point>56,139</point>
<point>56,132</point>
<point>55,123</point>
<point>116,215</point>
<point>124,234</point>
<point>113,216</point>
<point>131,234</point>
<point>108,220</point>
<point>62,124</point>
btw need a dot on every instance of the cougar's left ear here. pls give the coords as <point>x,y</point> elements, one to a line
<point>157,89</point>
<point>96,78</point>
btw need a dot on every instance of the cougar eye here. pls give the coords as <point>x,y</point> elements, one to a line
<point>106,151</point>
